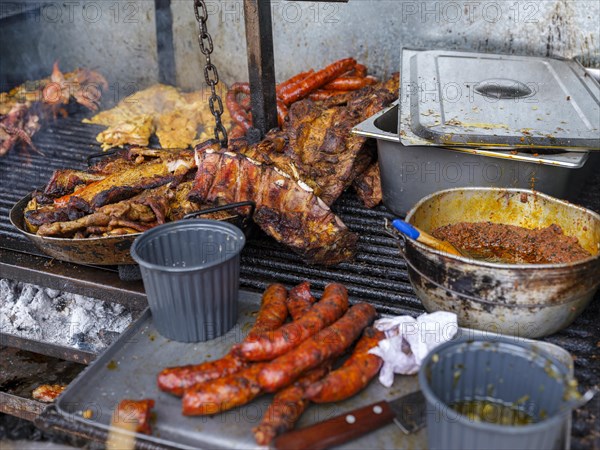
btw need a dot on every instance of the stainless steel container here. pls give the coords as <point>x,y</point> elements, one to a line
<point>526,300</point>
<point>409,173</point>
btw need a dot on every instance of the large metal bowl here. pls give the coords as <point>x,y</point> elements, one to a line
<point>527,300</point>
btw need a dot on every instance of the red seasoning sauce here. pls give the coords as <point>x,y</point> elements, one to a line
<point>513,244</point>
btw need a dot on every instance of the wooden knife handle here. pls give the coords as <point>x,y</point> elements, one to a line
<point>337,430</point>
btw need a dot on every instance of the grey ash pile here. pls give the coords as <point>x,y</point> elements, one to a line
<point>60,318</point>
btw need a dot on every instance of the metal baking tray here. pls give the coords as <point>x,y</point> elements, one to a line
<point>409,173</point>
<point>129,367</point>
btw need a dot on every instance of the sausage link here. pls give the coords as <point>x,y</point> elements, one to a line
<point>322,94</point>
<point>222,394</point>
<point>282,112</point>
<point>294,79</point>
<point>287,406</point>
<point>272,315</point>
<point>349,83</point>
<point>303,88</point>
<point>353,376</point>
<point>300,300</point>
<point>360,70</point>
<point>328,343</point>
<point>267,346</point>
<point>237,113</point>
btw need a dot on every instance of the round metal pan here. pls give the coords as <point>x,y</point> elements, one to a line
<point>527,300</point>
<point>106,251</point>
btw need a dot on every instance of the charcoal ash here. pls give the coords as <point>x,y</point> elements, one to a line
<point>60,318</point>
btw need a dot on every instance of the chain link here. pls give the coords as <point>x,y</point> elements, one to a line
<point>211,74</point>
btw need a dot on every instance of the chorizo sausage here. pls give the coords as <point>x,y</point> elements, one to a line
<point>349,83</point>
<point>267,346</point>
<point>287,407</point>
<point>322,94</point>
<point>353,376</point>
<point>222,394</point>
<point>237,113</point>
<point>294,79</point>
<point>300,300</point>
<point>328,343</point>
<point>303,88</point>
<point>272,315</point>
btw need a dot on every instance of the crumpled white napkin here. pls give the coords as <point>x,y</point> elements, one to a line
<point>409,340</point>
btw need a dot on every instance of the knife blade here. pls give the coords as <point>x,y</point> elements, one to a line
<point>408,412</point>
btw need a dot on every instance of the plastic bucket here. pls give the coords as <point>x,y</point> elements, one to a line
<point>191,275</point>
<point>496,370</point>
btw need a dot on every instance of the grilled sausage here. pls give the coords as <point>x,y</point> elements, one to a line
<point>349,83</point>
<point>223,394</point>
<point>296,91</point>
<point>328,343</point>
<point>287,407</point>
<point>272,315</point>
<point>353,376</point>
<point>300,300</point>
<point>267,346</point>
<point>237,113</point>
<point>135,413</point>
<point>294,79</point>
<point>321,94</point>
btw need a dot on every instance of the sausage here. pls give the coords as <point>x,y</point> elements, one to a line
<point>296,91</point>
<point>287,407</point>
<point>328,343</point>
<point>282,112</point>
<point>349,83</point>
<point>322,94</point>
<point>353,376</point>
<point>134,415</point>
<point>294,79</point>
<point>237,113</point>
<point>222,394</point>
<point>272,315</point>
<point>267,346</point>
<point>360,70</point>
<point>300,300</point>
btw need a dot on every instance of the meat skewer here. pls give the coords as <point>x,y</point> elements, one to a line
<point>300,300</point>
<point>296,91</point>
<point>272,315</point>
<point>287,407</point>
<point>353,376</point>
<point>267,346</point>
<point>326,344</point>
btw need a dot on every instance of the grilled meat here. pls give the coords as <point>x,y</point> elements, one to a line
<point>368,186</point>
<point>328,343</point>
<point>134,415</point>
<point>47,393</point>
<point>285,209</point>
<point>354,375</point>
<point>267,346</point>
<point>300,300</point>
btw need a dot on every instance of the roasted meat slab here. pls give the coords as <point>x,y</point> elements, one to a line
<point>286,209</point>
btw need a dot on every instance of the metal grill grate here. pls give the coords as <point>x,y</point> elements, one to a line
<point>378,274</point>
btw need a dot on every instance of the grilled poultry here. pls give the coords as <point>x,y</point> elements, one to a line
<point>179,120</point>
<point>286,209</point>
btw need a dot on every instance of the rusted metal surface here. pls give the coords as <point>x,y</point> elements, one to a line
<point>261,64</point>
<point>524,300</point>
<point>102,284</point>
<point>44,348</point>
<point>22,372</point>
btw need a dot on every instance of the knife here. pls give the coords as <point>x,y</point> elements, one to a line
<point>408,412</point>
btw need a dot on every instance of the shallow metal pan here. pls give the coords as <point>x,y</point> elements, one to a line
<point>108,250</point>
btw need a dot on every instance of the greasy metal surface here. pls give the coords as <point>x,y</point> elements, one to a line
<point>23,371</point>
<point>261,66</point>
<point>525,300</point>
<point>142,352</point>
<point>45,348</point>
<point>512,101</point>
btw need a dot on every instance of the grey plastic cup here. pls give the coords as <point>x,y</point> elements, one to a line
<point>501,370</point>
<point>191,272</point>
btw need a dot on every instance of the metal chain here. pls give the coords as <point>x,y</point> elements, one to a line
<point>211,75</point>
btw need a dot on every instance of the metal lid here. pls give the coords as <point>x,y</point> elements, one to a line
<point>499,101</point>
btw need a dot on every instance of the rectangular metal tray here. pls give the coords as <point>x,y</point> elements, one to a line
<point>128,369</point>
